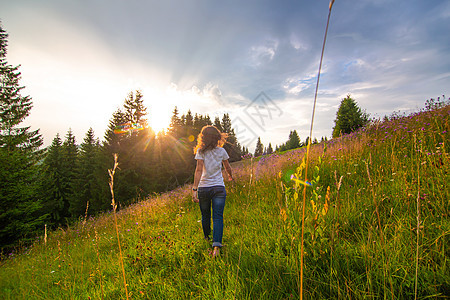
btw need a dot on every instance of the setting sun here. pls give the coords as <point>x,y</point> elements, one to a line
<point>159,120</point>
<point>159,108</point>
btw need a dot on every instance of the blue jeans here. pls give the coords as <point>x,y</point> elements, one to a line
<point>212,196</point>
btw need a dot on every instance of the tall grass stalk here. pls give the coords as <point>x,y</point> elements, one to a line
<point>302,250</point>
<point>86,213</point>
<point>307,149</point>
<point>335,225</point>
<point>418,218</point>
<point>114,205</point>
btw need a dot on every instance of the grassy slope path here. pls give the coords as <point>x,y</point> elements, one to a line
<point>378,210</point>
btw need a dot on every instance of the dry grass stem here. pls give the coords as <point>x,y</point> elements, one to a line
<point>114,205</point>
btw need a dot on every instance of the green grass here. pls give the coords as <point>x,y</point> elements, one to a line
<point>362,237</point>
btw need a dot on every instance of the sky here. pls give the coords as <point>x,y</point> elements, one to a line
<point>255,60</point>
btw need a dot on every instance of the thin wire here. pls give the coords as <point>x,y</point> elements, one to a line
<point>307,150</point>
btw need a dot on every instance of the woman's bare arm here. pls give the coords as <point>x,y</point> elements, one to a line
<point>197,176</point>
<point>227,166</point>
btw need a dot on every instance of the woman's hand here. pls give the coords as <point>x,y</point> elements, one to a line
<point>195,197</point>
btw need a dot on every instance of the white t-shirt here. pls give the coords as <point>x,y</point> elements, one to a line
<point>212,166</point>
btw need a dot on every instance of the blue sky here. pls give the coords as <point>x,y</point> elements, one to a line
<point>79,60</point>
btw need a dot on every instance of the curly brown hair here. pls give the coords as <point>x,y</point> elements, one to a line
<point>209,138</point>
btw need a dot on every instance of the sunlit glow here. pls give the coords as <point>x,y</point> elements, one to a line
<point>159,120</point>
<point>161,101</point>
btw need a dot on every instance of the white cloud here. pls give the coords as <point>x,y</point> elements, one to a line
<point>262,54</point>
<point>295,86</point>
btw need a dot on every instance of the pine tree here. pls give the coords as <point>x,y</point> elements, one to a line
<point>19,156</point>
<point>307,141</point>
<point>189,129</point>
<point>53,185</point>
<point>244,151</point>
<point>189,120</point>
<point>293,141</point>
<point>269,149</point>
<point>349,117</point>
<point>259,148</point>
<point>207,120</point>
<point>218,124</point>
<point>69,163</point>
<point>88,186</point>
<point>176,125</point>
<point>134,107</point>
<point>232,145</point>
<point>196,122</point>
<point>112,140</point>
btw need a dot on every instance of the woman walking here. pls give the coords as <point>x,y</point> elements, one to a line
<point>209,189</point>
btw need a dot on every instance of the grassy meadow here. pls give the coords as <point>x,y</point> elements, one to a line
<point>376,226</point>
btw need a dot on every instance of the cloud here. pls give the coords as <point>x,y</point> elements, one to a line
<point>263,53</point>
<point>295,86</point>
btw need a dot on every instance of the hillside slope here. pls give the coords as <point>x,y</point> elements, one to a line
<point>377,225</point>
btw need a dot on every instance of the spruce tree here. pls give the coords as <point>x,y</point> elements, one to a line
<point>88,186</point>
<point>294,140</point>
<point>207,120</point>
<point>217,123</point>
<point>349,117</point>
<point>269,149</point>
<point>176,124</point>
<point>69,163</point>
<point>53,186</point>
<point>196,122</point>
<point>112,140</point>
<point>189,120</point>
<point>259,148</point>
<point>189,129</point>
<point>19,156</point>
<point>134,107</point>
<point>232,145</point>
